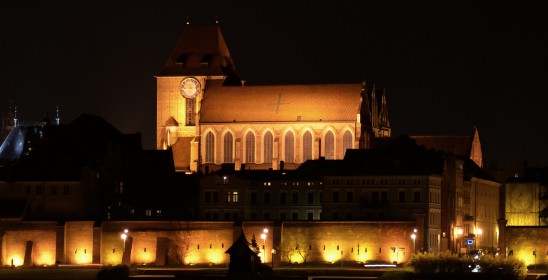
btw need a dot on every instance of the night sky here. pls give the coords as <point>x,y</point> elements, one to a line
<point>446,66</point>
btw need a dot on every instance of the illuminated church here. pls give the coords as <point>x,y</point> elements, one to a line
<point>209,117</point>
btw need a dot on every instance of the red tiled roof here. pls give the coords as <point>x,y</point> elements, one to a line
<point>285,103</point>
<point>196,44</point>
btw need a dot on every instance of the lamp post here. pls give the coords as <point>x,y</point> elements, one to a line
<point>124,237</point>
<point>263,236</point>
<point>413,236</point>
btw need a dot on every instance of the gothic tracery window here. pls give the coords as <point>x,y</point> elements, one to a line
<point>289,147</point>
<point>329,145</point>
<point>209,147</point>
<point>250,147</point>
<point>347,141</point>
<point>228,144</point>
<point>307,146</point>
<point>268,147</point>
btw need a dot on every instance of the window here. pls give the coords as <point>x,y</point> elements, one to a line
<point>253,216</point>
<point>228,148</point>
<point>335,196</point>
<point>266,198</point>
<point>250,147</point>
<point>148,213</point>
<point>283,216</point>
<point>329,145</point>
<point>207,198</point>
<point>401,197</point>
<point>28,190</point>
<point>159,213</point>
<point>268,147</point>
<point>347,141</point>
<point>39,190</point>
<point>66,190</point>
<point>295,198</point>
<point>232,197</point>
<point>349,197</point>
<point>289,147</point>
<point>210,148</point>
<point>54,190</point>
<point>253,198</point>
<point>384,196</point>
<point>310,198</point>
<point>375,197</point>
<point>190,111</point>
<point>227,216</point>
<point>215,197</point>
<point>310,216</point>
<point>266,215</point>
<point>416,196</point>
<point>335,215</point>
<point>294,216</point>
<point>307,146</point>
<point>283,198</point>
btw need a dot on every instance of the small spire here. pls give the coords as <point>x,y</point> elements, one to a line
<point>15,116</point>
<point>57,116</point>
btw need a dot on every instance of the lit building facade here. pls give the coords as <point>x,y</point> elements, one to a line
<point>208,116</point>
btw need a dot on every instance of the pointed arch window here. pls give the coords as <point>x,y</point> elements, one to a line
<point>209,148</point>
<point>228,144</point>
<point>250,147</point>
<point>307,146</point>
<point>329,145</point>
<point>347,141</point>
<point>268,147</point>
<point>289,147</point>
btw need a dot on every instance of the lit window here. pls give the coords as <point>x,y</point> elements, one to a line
<point>210,148</point>
<point>268,147</point>
<point>228,148</point>
<point>329,145</point>
<point>250,147</point>
<point>148,213</point>
<point>232,197</point>
<point>307,146</point>
<point>289,147</point>
<point>347,141</point>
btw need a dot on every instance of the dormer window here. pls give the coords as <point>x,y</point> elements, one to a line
<point>206,59</point>
<point>181,60</point>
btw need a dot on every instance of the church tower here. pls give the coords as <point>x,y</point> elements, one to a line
<point>200,55</point>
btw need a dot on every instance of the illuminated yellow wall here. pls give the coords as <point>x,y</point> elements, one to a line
<point>199,242</point>
<point>522,203</point>
<point>43,237</point>
<point>352,241</point>
<point>79,242</point>
<point>522,241</point>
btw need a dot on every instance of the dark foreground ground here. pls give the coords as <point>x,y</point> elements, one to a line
<point>81,273</point>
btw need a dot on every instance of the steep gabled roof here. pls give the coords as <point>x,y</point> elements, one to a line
<point>286,103</point>
<point>200,51</point>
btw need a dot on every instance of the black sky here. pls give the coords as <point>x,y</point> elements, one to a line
<point>446,66</point>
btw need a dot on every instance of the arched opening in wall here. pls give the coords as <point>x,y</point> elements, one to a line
<point>250,147</point>
<point>307,146</point>
<point>347,141</point>
<point>329,145</point>
<point>209,148</point>
<point>289,147</point>
<point>268,147</point>
<point>228,144</point>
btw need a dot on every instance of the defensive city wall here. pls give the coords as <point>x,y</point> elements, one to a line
<point>205,243</point>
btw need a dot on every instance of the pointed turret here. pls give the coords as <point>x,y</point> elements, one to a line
<point>374,109</point>
<point>383,115</point>
<point>475,148</point>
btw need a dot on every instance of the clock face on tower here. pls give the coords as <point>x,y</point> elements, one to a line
<point>190,87</point>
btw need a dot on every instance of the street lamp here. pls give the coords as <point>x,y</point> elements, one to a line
<point>124,237</point>
<point>263,236</point>
<point>413,236</point>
